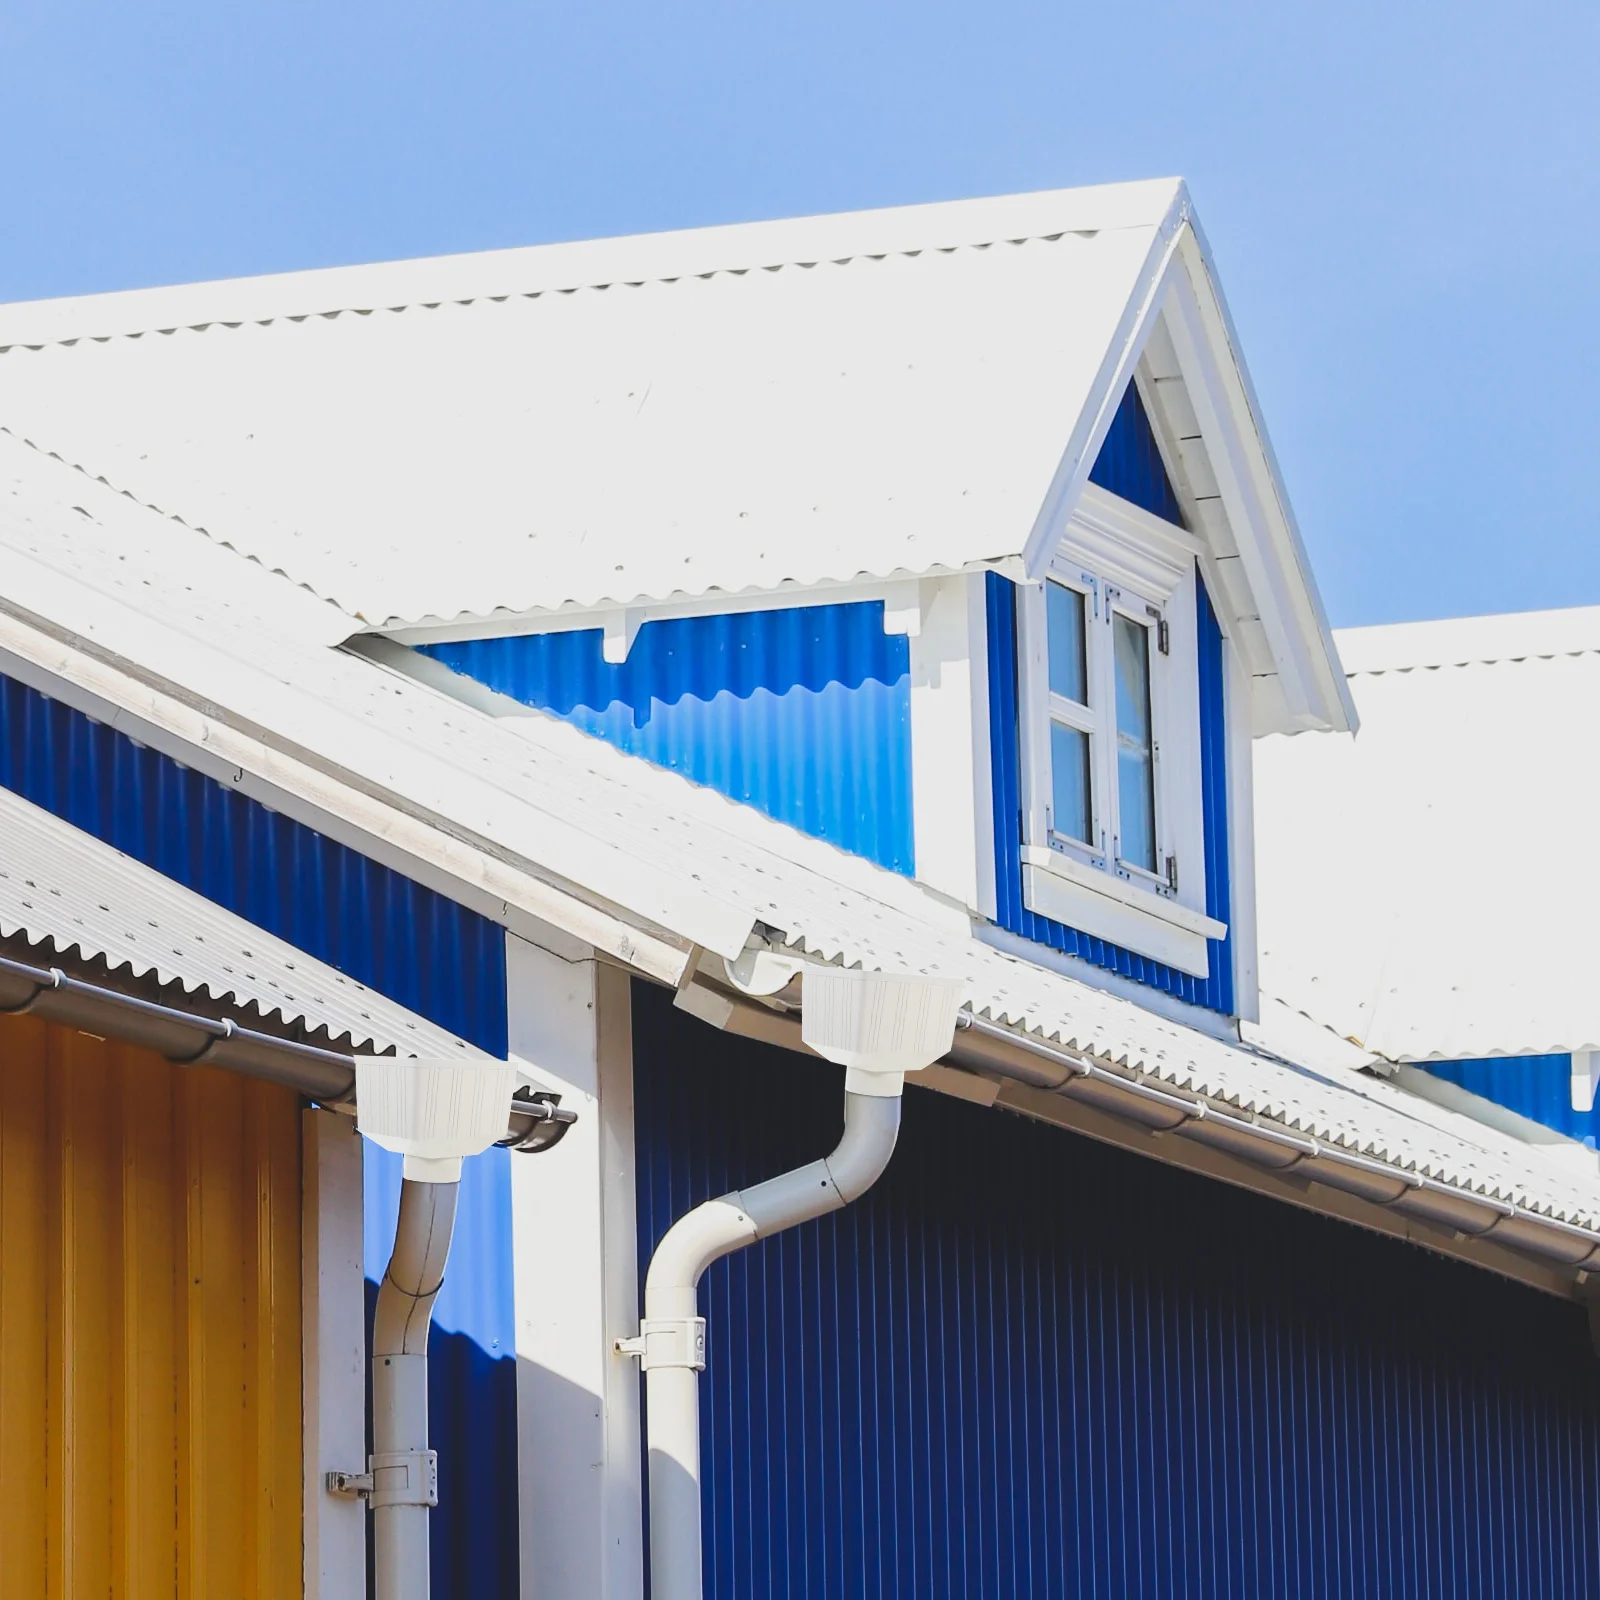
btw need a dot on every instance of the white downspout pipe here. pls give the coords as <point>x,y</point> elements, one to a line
<point>879,1026</point>
<point>405,1472</point>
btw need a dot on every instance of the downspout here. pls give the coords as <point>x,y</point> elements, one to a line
<point>435,1113</point>
<point>879,1027</point>
<point>405,1472</point>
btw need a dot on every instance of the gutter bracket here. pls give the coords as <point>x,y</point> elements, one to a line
<point>668,1342</point>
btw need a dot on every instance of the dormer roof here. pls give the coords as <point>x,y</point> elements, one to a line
<point>725,411</point>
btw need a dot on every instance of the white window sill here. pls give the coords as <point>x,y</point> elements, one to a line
<point>1056,886</point>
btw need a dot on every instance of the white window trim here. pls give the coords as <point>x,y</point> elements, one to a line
<point>1152,562</point>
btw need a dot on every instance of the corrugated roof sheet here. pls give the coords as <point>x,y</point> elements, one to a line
<point>822,408</point>
<point>63,888</point>
<point>1427,889</point>
<point>652,842</point>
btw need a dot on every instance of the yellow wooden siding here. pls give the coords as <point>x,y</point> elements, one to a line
<point>149,1326</point>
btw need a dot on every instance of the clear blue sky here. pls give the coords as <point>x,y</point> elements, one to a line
<point>1404,197</point>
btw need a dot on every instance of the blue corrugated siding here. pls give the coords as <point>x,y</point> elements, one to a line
<point>1214,991</point>
<point>1536,1087</point>
<point>1130,464</point>
<point>407,942</point>
<point>804,713</point>
<point>1028,1366</point>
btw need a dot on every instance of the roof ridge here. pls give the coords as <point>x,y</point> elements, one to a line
<point>597,264</point>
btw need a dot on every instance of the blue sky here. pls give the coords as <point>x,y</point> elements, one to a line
<point>1404,199</point>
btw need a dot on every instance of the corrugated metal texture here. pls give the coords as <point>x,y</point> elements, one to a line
<point>416,947</point>
<point>1393,905</point>
<point>847,395</point>
<point>472,1374</point>
<point>1130,464</point>
<point>1536,1087</point>
<point>665,849</point>
<point>149,1325</point>
<point>1027,1364</point>
<point>804,713</point>
<point>1215,992</point>
<point>64,889</point>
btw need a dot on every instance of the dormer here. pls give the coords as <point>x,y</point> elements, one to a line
<point>947,534</point>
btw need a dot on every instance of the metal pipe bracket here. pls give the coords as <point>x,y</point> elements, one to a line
<point>668,1342</point>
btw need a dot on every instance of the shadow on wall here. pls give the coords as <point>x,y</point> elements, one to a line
<point>472,1376</point>
<point>803,713</point>
<point>1026,1365</point>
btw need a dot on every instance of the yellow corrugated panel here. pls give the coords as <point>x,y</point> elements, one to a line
<point>149,1326</point>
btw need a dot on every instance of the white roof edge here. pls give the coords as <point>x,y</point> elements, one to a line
<point>629,258</point>
<point>1463,641</point>
<point>1339,711</point>
<point>66,889</point>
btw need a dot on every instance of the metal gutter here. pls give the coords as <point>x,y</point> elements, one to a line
<point>189,1040</point>
<point>988,1047</point>
<point>993,1051</point>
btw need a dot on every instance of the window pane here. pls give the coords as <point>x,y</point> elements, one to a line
<point>1136,788</point>
<point>1064,615</point>
<point>1073,812</point>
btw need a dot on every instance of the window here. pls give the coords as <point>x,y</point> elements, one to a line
<point>1113,829</point>
<point>1103,750</point>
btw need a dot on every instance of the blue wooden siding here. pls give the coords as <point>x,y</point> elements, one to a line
<point>1028,1366</point>
<point>417,947</point>
<point>804,713</point>
<point>1130,464</point>
<point>1215,991</point>
<point>1536,1087</point>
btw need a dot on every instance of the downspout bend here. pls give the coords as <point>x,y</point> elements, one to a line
<point>671,1312</point>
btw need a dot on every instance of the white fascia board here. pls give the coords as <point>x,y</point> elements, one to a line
<point>952,779</point>
<point>1240,740</point>
<point>1116,372</point>
<point>167,714</point>
<point>902,597</point>
<point>1257,504</point>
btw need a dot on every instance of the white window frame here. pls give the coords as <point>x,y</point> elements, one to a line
<point>1120,558</point>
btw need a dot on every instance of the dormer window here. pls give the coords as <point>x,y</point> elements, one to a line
<point>1099,643</point>
<point>1108,678</point>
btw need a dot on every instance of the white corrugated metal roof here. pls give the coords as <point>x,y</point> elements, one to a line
<point>729,410</point>
<point>1427,889</point>
<point>605,433</point>
<point>650,841</point>
<point>66,889</point>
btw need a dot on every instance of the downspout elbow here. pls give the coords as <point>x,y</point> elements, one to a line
<point>415,1273</point>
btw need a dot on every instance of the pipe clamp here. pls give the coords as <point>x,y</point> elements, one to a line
<point>668,1342</point>
<point>404,1478</point>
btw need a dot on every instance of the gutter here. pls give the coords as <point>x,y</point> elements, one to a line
<point>991,1051</point>
<point>189,1040</point>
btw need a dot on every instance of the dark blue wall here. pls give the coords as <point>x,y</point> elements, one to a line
<point>1214,991</point>
<point>1129,463</point>
<point>803,713</point>
<point>1029,1367</point>
<point>417,947</point>
<point>1536,1087</point>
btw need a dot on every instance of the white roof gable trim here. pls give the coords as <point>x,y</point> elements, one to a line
<point>122,609</point>
<point>725,412</point>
